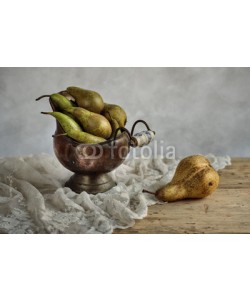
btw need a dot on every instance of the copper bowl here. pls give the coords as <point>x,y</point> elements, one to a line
<point>90,163</point>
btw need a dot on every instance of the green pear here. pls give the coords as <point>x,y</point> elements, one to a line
<point>114,125</point>
<point>68,96</point>
<point>91,122</point>
<point>66,122</point>
<point>115,112</point>
<point>60,102</point>
<point>87,99</point>
<point>84,137</point>
<point>73,129</point>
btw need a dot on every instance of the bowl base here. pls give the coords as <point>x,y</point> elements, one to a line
<point>92,184</point>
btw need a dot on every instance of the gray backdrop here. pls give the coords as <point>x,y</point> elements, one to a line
<point>197,110</point>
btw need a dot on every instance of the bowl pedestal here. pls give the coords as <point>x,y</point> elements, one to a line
<point>92,184</point>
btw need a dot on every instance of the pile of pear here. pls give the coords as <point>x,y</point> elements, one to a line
<point>84,116</point>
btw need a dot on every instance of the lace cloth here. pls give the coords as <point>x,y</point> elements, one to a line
<point>33,199</point>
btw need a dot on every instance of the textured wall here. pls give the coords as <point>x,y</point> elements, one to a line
<point>197,110</point>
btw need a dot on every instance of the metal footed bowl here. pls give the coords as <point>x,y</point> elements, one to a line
<point>90,163</point>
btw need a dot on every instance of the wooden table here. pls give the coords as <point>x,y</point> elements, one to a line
<point>227,210</point>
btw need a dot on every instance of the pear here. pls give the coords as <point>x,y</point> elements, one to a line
<point>115,112</point>
<point>66,122</point>
<point>73,129</point>
<point>87,99</point>
<point>194,178</point>
<point>60,102</point>
<point>68,96</point>
<point>114,126</point>
<point>84,137</point>
<point>91,122</point>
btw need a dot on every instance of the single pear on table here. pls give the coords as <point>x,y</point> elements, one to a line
<point>194,178</point>
<point>87,99</point>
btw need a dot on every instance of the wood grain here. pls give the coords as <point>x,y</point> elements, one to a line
<point>227,210</point>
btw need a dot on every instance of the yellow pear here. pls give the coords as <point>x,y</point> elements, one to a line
<point>194,178</point>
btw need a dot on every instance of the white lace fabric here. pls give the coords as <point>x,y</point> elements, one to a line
<point>33,199</point>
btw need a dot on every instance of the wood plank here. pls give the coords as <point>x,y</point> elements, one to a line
<point>227,210</point>
<point>236,176</point>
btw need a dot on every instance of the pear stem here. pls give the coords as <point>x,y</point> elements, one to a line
<point>60,134</point>
<point>43,96</point>
<point>44,113</point>
<point>145,191</point>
